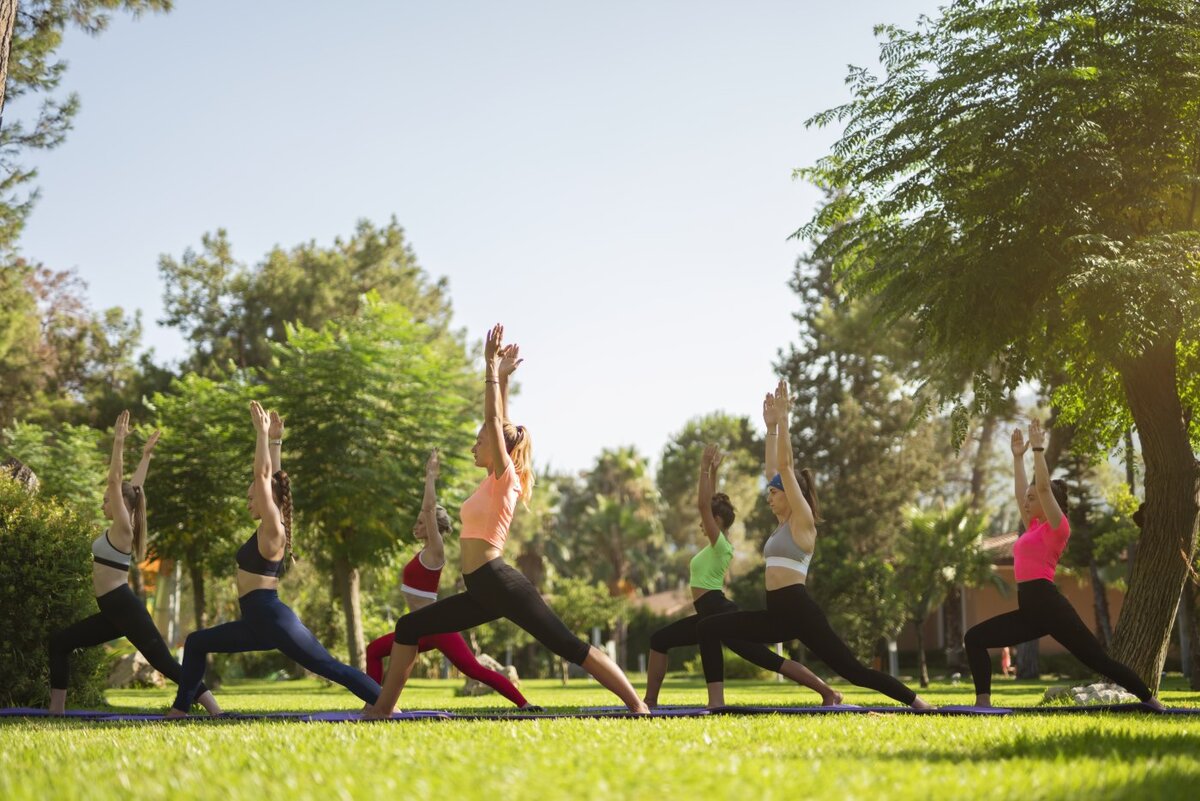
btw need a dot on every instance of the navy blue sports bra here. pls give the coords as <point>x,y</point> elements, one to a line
<point>251,560</point>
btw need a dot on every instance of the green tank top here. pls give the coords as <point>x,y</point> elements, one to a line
<point>709,565</point>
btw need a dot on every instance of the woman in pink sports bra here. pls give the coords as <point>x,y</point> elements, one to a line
<point>494,589</point>
<point>1041,608</point>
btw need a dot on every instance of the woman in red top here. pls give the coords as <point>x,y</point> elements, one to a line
<point>1041,608</point>
<point>494,589</point>
<point>420,579</point>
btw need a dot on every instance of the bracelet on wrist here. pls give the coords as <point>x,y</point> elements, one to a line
<point>1038,450</point>
<point>275,442</point>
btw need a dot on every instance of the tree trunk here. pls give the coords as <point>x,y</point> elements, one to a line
<point>1027,661</point>
<point>8,20</point>
<point>1167,543</point>
<point>346,578</point>
<point>1131,481</point>
<point>1100,605</point>
<point>919,625</point>
<point>1183,620</point>
<point>1191,596</point>
<point>200,614</point>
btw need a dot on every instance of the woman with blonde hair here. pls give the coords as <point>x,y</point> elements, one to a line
<point>122,613</point>
<point>495,589</point>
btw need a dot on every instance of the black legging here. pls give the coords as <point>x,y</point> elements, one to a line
<point>121,615</point>
<point>494,591</point>
<point>685,632</point>
<point>792,615</point>
<point>1043,610</point>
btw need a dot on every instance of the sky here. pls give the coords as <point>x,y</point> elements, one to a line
<point>612,181</point>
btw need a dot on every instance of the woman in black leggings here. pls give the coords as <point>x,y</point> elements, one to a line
<point>495,590</point>
<point>790,613</point>
<point>1041,608</point>
<point>122,614</point>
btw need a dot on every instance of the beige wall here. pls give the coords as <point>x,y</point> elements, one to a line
<point>981,603</point>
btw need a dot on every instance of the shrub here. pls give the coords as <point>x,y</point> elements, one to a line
<point>735,667</point>
<point>45,584</point>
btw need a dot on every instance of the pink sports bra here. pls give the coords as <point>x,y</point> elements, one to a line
<point>1037,551</point>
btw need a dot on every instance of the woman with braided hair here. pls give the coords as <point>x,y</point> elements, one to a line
<point>266,623</point>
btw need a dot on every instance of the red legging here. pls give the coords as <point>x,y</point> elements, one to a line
<point>456,650</point>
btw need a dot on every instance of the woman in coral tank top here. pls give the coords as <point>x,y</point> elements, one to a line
<point>1041,609</point>
<point>494,589</point>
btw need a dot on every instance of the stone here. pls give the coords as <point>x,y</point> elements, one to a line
<point>134,671</point>
<point>473,687</point>
<point>1091,695</point>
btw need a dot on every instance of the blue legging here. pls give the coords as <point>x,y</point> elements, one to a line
<point>267,624</point>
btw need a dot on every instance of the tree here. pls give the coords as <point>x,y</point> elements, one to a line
<point>1023,182</point>
<point>196,492</point>
<point>231,312</point>
<point>612,523</point>
<point>857,422</point>
<point>69,462</point>
<point>365,399</point>
<point>939,551</point>
<point>31,32</point>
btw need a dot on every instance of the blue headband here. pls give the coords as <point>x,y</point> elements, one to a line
<point>776,482</point>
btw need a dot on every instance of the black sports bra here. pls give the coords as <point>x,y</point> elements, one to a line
<point>250,559</point>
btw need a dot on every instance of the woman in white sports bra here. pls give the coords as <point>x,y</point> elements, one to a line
<point>791,613</point>
<point>122,613</point>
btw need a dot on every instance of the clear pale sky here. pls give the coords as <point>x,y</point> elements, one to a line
<point>612,181</point>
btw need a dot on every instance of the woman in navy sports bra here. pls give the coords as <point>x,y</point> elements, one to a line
<point>791,614</point>
<point>266,623</point>
<point>122,613</point>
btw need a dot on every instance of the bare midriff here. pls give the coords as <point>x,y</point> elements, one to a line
<point>780,577</point>
<point>249,582</point>
<point>699,591</point>
<point>105,579</point>
<point>477,553</point>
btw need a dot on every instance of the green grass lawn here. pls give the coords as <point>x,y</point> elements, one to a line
<point>746,758</point>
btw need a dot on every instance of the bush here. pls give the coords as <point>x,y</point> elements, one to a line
<point>45,584</point>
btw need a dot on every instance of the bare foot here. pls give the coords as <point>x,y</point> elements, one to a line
<point>373,713</point>
<point>640,708</point>
<point>920,703</point>
<point>983,701</point>
<point>651,704</point>
<point>1155,704</point>
<point>832,699</point>
<point>173,714</point>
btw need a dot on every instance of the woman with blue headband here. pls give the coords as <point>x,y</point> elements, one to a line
<point>791,613</point>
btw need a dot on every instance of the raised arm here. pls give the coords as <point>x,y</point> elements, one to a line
<point>708,483</point>
<point>510,360</point>
<point>1041,474</point>
<point>493,411</point>
<point>771,418</point>
<point>271,536</point>
<point>803,524</point>
<point>275,442</point>
<point>139,475</point>
<point>1020,484</point>
<point>435,549</point>
<point>116,469</point>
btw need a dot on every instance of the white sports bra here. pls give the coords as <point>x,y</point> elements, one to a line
<point>105,553</point>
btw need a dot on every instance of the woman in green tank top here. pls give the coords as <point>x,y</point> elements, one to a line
<point>708,569</point>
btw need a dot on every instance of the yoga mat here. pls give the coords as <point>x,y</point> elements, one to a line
<point>597,713</point>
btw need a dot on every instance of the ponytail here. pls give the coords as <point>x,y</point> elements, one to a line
<point>520,449</point>
<point>281,488</point>
<point>808,486</point>
<point>134,498</point>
